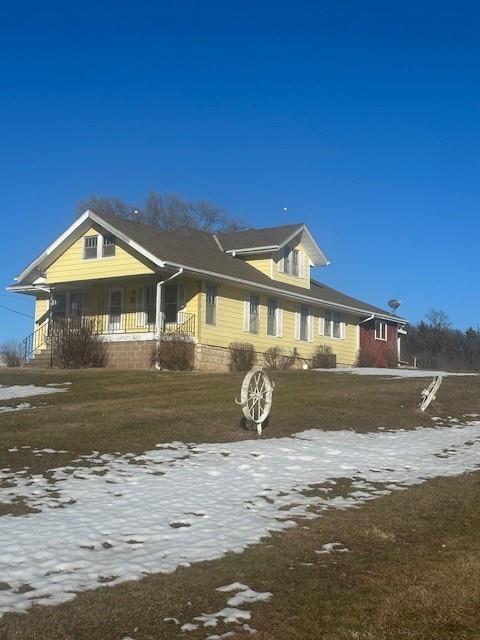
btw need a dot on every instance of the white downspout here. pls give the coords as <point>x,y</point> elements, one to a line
<point>159,313</point>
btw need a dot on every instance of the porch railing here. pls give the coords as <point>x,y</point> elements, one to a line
<point>46,333</point>
<point>140,323</point>
<point>37,340</point>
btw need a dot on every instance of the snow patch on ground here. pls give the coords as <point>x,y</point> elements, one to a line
<point>230,614</point>
<point>396,373</point>
<point>109,518</point>
<point>26,391</point>
<point>20,407</point>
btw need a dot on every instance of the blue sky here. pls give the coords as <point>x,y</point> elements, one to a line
<point>361,117</point>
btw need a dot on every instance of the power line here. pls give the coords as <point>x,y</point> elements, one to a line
<point>15,311</point>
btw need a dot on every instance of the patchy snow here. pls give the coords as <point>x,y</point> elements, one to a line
<point>20,407</point>
<point>108,518</point>
<point>396,373</point>
<point>328,547</point>
<point>245,595</point>
<point>26,391</point>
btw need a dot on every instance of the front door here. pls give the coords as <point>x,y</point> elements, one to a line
<point>115,311</point>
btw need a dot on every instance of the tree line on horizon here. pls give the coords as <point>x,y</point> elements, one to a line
<point>437,345</point>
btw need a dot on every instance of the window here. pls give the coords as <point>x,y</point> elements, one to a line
<point>108,246</point>
<point>380,330</point>
<point>90,244</point>
<point>296,263</point>
<point>333,325</point>
<point>304,323</point>
<point>291,262</point>
<point>274,318</point>
<point>211,305</point>
<point>252,313</point>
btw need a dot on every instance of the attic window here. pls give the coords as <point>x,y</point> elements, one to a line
<point>90,244</point>
<point>108,246</point>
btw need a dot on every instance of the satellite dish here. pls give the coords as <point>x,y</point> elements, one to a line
<point>394,304</point>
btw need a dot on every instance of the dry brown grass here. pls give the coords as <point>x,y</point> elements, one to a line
<point>417,580</point>
<point>412,571</point>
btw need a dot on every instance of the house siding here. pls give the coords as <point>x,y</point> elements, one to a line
<point>380,350</point>
<point>230,327</point>
<point>71,266</point>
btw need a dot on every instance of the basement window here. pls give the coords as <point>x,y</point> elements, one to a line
<point>380,330</point>
<point>90,244</point>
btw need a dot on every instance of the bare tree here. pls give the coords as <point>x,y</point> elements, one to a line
<point>165,210</point>
<point>438,319</point>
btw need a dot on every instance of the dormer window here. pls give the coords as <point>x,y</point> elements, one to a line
<point>90,247</point>
<point>291,262</point>
<point>108,246</point>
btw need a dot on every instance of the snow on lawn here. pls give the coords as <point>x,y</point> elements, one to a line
<point>106,519</point>
<point>20,407</point>
<point>397,373</point>
<point>26,391</point>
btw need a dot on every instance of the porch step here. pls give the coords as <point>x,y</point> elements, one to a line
<point>40,360</point>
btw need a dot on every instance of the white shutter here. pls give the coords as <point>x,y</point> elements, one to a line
<point>279,320</point>
<point>343,329</point>
<point>141,314</point>
<point>280,260</point>
<point>310,326</point>
<point>246,313</point>
<point>321,323</point>
<point>301,260</point>
<point>297,323</point>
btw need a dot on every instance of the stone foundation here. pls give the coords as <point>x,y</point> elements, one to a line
<point>209,358</point>
<point>130,354</point>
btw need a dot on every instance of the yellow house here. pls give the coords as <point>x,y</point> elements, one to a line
<point>137,282</point>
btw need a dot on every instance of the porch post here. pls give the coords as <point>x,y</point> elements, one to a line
<point>158,309</point>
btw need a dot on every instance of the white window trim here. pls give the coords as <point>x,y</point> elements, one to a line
<point>322,322</point>
<point>281,262</point>
<point>215,305</point>
<point>122,309</point>
<point>278,318</point>
<point>379,337</point>
<point>100,255</point>
<point>246,314</point>
<point>298,320</point>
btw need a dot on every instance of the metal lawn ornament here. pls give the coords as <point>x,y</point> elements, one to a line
<point>256,397</point>
<point>429,394</point>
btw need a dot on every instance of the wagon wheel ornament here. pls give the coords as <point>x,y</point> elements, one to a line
<point>429,394</point>
<point>256,397</point>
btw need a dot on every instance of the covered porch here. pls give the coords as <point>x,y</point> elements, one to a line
<point>141,307</point>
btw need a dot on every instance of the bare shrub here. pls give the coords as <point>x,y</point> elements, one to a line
<point>78,345</point>
<point>288,361</point>
<point>273,357</point>
<point>242,356</point>
<point>12,353</point>
<point>175,353</point>
<point>324,358</point>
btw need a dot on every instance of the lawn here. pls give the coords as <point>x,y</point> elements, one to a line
<point>413,556</point>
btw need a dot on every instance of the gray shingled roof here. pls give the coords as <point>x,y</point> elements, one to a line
<point>250,238</point>
<point>197,250</point>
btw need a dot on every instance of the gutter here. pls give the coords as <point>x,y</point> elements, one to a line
<point>158,313</point>
<point>286,294</point>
